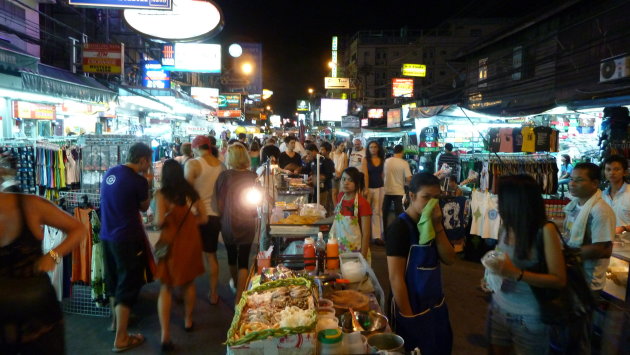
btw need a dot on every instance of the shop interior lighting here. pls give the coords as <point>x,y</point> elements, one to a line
<point>140,101</point>
<point>27,96</point>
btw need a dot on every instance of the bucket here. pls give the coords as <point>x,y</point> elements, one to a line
<point>386,343</point>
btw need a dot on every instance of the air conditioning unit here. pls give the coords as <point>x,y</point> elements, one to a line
<point>614,68</point>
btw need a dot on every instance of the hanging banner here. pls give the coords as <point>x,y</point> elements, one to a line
<point>102,58</point>
<point>125,4</point>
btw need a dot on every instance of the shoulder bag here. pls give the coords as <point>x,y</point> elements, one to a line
<point>163,245</point>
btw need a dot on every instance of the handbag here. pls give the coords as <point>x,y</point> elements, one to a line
<point>163,245</point>
<point>562,306</point>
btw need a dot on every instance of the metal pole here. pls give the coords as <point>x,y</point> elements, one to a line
<point>317,175</point>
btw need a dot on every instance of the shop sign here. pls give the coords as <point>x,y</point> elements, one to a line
<point>303,105</point>
<point>159,121</point>
<point>350,122</point>
<point>168,54</point>
<point>195,130</point>
<point>375,113</point>
<point>125,4</point>
<point>365,122</point>
<point>33,111</point>
<point>208,96</point>
<point>103,58</point>
<point>229,101</point>
<point>402,87</point>
<point>419,70</point>
<point>192,57</point>
<point>336,83</point>
<point>154,76</point>
<point>190,20</point>
<point>229,113</point>
<point>393,118</point>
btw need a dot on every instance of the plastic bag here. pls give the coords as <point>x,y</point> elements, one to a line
<point>313,209</point>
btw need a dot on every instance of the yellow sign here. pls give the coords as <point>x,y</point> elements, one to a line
<point>414,70</point>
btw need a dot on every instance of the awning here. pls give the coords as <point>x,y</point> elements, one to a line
<point>600,102</point>
<point>178,102</point>
<point>64,84</point>
<point>13,59</point>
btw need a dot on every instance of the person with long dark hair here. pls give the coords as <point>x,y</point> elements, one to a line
<point>416,244</point>
<point>179,213</point>
<point>373,170</point>
<point>351,225</point>
<point>514,320</point>
<point>31,321</point>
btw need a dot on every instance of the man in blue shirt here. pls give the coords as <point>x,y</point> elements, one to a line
<point>124,194</point>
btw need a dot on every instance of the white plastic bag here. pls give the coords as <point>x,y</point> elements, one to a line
<point>313,210</point>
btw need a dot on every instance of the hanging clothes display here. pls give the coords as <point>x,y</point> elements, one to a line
<point>52,238</point>
<point>82,254</point>
<point>485,215</point>
<point>455,217</point>
<point>99,295</point>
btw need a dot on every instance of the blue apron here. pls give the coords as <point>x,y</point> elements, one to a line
<point>429,329</point>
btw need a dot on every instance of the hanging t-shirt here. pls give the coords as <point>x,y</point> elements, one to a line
<point>495,141</point>
<point>543,137</point>
<point>477,207</point>
<point>429,137</point>
<point>454,217</point>
<point>529,139</point>
<point>505,136</point>
<point>517,139</point>
<point>554,141</point>
<point>492,220</point>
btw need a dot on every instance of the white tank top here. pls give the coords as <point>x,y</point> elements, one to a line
<point>205,185</point>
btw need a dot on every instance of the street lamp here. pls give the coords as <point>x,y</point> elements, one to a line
<point>247,68</point>
<point>331,64</point>
<point>310,91</point>
<point>268,108</point>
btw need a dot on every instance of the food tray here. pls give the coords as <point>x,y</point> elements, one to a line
<point>378,290</point>
<point>274,332</point>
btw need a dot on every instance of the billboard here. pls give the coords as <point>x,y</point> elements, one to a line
<point>393,118</point>
<point>419,70</point>
<point>125,4</point>
<point>333,109</point>
<point>402,87</point>
<point>102,58</point>
<point>230,101</point>
<point>252,53</point>
<point>303,105</point>
<point>208,96</point>
<point>405,110</point>
<point>196,57</point>
<point>350,122</point>
<point>336,83</point>
<point>375,113</point>
<point>154,76</point>
<point>229,113</point>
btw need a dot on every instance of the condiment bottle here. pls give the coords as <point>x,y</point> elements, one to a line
<point>332,254</point>
<point>309,254</point>
<point>330,342</point>
<point>320,247</point>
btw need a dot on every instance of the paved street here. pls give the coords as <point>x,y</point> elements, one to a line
<point>89,335</point>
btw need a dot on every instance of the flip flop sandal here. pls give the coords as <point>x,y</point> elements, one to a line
<point>133,341</point>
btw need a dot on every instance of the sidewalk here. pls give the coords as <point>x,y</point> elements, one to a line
<point>89,335</point>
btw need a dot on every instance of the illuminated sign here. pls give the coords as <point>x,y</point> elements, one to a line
<point>168,54</point>
<point>33,111</point>
<point>208,96</point>
<point>365,122</point>
<point>189,20</point>
<point>336,83</point>
<point>375,113</point>
<point>196,57</point>
<point>393,118</point>
<point>229,113</point>
<point>350,122</point>
<point>303,105</point>
<point>333,109</point>
<point>154,76</point>
<point>402,87</point>
<point>406,108</point>
<point>125,4</point>
<point>103,58</point>
<point>230,101</point>
<point>333,69</point>
<point>419,70</point>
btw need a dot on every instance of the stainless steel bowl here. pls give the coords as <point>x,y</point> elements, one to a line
<point>371,321</point>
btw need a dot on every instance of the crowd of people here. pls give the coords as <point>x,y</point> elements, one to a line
<point>206,192</point>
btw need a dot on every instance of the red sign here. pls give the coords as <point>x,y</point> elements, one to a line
<point>33,111</point>
<point>402,87</point>
<point>102,58</point>
<point>229,113</point>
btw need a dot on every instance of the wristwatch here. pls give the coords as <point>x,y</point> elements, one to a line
<point>56,257</point>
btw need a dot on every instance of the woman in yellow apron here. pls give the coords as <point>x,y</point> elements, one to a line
<point>351,226</point>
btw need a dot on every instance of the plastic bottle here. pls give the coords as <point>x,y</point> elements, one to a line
<point>354,343</point>
<point>320,247</point>
<point>332,254</point>
<point>330,342</point>
<point>309,254</point>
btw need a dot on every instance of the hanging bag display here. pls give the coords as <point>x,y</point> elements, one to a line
<point>163,245</point>
<point>561,306</point>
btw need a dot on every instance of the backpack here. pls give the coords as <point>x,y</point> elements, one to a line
<point>562,306</point>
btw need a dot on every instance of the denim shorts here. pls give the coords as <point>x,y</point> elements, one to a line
<point>527,334</point>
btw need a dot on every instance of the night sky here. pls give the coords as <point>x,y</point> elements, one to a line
<point>296,35</point>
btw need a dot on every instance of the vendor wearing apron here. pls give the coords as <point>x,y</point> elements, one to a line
<point>351,225</point>
<point>415,244</point>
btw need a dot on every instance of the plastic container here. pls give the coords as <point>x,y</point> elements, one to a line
<point>324,302</point>
<point>325,312</point>
<point>327,323</point>
<point>332,254</point>
<point>309,254</point>
<point>354,343</point>
<point>330,342</point>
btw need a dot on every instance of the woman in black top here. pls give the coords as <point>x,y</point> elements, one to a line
<point>373,170</point>
<point>290,161</point>
<point>30,315</point>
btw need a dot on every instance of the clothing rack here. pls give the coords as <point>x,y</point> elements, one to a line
<point>81,198</point>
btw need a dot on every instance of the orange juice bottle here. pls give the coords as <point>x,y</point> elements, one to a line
<point>332,253</point>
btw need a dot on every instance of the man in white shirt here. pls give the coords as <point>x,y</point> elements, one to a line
<point>618,194</point>
<point>397,174</point>
<point>299,148</point>
<point>357,154</point>
<point>595,243</point>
